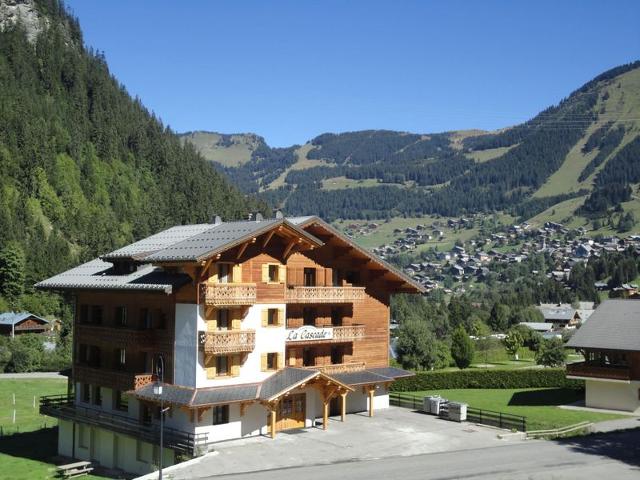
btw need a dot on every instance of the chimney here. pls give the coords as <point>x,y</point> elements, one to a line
<point>279,215</point>
<point>216,220</point>
<point>259,217</point>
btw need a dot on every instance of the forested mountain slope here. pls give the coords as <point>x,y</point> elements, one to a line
<point>586,146</point>
<point>84,167</point>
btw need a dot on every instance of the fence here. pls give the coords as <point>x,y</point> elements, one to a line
<point>475,415</point>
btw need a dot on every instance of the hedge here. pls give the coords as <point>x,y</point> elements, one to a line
<point>524,378</point>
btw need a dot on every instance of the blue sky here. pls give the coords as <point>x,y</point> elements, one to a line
<point>291,70</point>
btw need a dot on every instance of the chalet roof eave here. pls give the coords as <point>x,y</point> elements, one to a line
<point>393,270</point>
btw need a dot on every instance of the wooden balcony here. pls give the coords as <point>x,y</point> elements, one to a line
<point>118,336</point>
<point>63,407</point>
<point>228,341</point>
<point>339,368</point>
<point>229,294</point>
<point>312,295</point>
<point>305,335</point>
<point>116,379</point>
<point>587,370</point>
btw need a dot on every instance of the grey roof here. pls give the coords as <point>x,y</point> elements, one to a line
<point>197,397</point>
<point>615,325</point>
<point>164,239</point>
<point>360,377</point>
<point>285,379</point>
<point>13,318</point>
<point>557,312</point>
<point>219,238</point>
<point>391,372</point>
<point>538,326</point>
<point>97,274</point>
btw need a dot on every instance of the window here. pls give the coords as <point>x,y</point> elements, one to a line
<point>220,414</point>
<point>83,356</point>
<point>121,359</point>
<point>96,314</point>
<point>83,435</point>
<point>336,355</point>
<point>86,392</point>
<point>336,317</point>
<point>84,314</point>
<point>272,316</point>
<point>222,365</point>
<point>309,316</point>
<point>162,320</point>
<point>120,401</point>
<point>353,277</point>
<point>146,318</point>
<point>224,273</point>
<point>308,359</point>
<point>121,316</point>
<point>273,273</point>
<point>146,414</point>
<point>272,361</point>
<point>309,277</point>
<point>223,319</point>
<point>97,395</point>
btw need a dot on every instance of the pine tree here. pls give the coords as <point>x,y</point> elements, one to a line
<point>462,348</point>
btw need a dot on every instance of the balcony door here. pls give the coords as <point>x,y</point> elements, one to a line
<point>309,277</point>
<point>224,273</point>
<point>223,319</point>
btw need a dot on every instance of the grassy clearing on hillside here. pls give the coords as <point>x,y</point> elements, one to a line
<point>301,164</point>
<point>539,405</point>
<point>482,156</point>
<point>28,453</point>
<point>338,183</point>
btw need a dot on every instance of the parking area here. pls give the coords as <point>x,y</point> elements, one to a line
<point>391,432</point>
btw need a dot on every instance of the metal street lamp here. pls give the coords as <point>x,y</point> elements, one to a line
<point>157,392</point>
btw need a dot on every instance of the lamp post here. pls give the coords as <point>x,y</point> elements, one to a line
<point>157,391</point>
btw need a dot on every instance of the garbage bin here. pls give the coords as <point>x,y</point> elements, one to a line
<point>435,404</point>
<point>457,411</point>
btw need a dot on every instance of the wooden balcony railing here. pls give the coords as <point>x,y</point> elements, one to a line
<point>584,369</point>
<point>297,294</point>
<point>339,368</point>
<point>228,341</point>
<point>229,294</point>
<point>346,333</point>
<point>119,336</point>
<point>116,379</point>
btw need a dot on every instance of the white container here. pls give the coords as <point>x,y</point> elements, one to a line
<point>457,412</point>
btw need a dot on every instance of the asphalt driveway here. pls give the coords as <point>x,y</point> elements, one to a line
<point>393,432</point>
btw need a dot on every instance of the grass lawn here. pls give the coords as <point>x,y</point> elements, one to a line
<point>27,454</point>
<point>539,405</point>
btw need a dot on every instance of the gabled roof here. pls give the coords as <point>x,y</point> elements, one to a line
<point>289,378</point>
<point>310,220</point>
<point>98,275</point>
<point>13,318</point>
<point>615,325</point>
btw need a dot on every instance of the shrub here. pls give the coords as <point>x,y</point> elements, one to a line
<point>462,348</point>
<point>528,378</point>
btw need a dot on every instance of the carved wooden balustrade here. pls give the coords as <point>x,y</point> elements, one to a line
<point>115,379</point>
<point>229,294</point>
<point>228,341</point>
<point>339,368</point>
<point>298,294</point>
<point>585,369</point>
<point>346,333</point>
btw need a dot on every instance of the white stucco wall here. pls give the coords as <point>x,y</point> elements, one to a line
<point>268,339</point>
<point>358,401</point>
<point>186,344</point>
<point>613,395</point>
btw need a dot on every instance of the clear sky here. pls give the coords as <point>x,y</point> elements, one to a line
<point>291,70</point>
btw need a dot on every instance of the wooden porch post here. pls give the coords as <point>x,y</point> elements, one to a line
<point>372,390</point>
<point>343,406</point>
<point>273,421</point>
<point>325,413</point>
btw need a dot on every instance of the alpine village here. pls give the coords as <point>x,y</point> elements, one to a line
<point>198,304</point>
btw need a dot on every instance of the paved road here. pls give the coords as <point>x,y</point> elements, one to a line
<point>612,456</point>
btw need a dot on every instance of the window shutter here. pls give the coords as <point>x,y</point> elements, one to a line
<point>281,316</point>
<point>292,361</point>
<point>280,361</point>
<point>282,273</point>
<point>210,365</point>
<point>236,275</point>
<point>265,317</point>
<point>265,272</point>
<point>235,365</point>
<point>263,362</point>
<point>212,325</point>
<point>236,321</point>
<point>213,270</point>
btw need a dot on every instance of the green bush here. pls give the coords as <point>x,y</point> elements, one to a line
<point>528,378</point>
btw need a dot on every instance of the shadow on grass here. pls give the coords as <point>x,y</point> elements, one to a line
<point>40,445</point>
<point>623,446</point>
<point>546,397</point>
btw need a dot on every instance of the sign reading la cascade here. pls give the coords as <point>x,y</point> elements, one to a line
<point>307,333</point>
